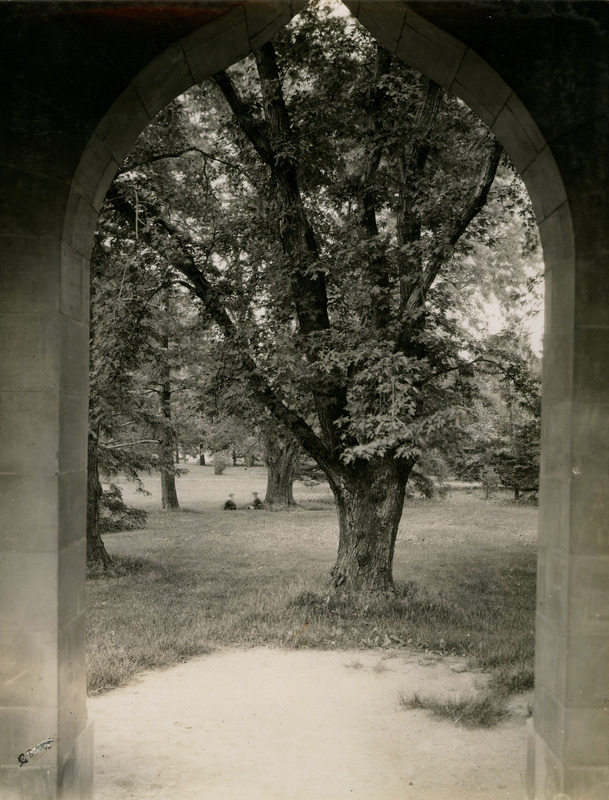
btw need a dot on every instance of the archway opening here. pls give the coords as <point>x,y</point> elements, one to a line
<point>412,24</point>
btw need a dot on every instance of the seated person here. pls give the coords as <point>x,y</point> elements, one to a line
<point>256,503</point>
<point>230,504</point>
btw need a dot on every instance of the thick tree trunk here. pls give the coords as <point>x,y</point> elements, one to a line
<point>97,555</point>
<point>281,457</point>
<point>370,501</point>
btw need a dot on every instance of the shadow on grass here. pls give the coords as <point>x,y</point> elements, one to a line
<point>191,582</point>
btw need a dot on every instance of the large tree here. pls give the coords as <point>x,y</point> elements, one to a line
<point>326,224</point>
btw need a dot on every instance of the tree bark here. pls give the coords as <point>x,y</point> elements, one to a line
<point>97,555</point>
<point>169,494</point>
<point>281,456</point>
<point>370,500</point>
<point>167,447</point>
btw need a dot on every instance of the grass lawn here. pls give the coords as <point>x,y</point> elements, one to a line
<point>201,577</point>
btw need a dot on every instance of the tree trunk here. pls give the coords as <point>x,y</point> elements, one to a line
<point>167,447</point>
<point>201,456</point>
<point>169,494</point>
<point>97,555</point>
<point>281,456</point>
<point>370,499</point>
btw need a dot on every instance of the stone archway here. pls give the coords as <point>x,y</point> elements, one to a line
<point>54,184</point>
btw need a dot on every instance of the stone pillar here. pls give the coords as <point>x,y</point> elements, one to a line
<point>569,737</point>
<point>43,424</point>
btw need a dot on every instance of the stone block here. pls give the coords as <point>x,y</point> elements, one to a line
<point>72,671</point>
<point>37,781</point>
<point>590,437</point>
<point>588,593</point>
<point>553,587</point>
<point>558,242</point>
<point>588,212</point>
<point>95,162</point>
<point>72,568</point>
<point>434,35</point>
<point>588,783</point>
<point>29,275</point>
<point>264,20</point>
<point>72,719</point>
<point>591,293</point>
<point>72,507</point>
<point>550,663</point>
<point>587,673</point>
<point>28,592</point>
<point>554,514</point>
<point>547,777</point>
<point>550,724</point>
<point>76,767</point>
<point>478,85</point>
<point>80,221</point>
<point>74,357</point>
<point>29,432</point>
<point>591,376</point>
<point>163,80</point>
<point>514,137</point>
<point>225,42</point>
<point>559,312</point>
<point>526,123</point>
<point>74,284</point>
<point>557,375</point>
<point>589,513</point>
<point>29,513</point>
<point>30,352</point>
<point>581,153</point>
<point>33,209</point>
<point>22,727</point>
<point>28,665</point>
<point>544,185</point>
<point>385,21</point>
<point>586,737</point>
<point>556,432</point>
<point>427,49</point>
<point>122,124</point>
<point>73,427</point>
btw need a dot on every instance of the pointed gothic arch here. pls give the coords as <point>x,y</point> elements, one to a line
<point>86,79</point>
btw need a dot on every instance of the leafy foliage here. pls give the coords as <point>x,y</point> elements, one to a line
<point>329,210</point>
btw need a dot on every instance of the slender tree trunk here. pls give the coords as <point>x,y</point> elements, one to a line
<point>167,447</point>
<point>201,456</point>
<point>169,494</point>
<point>97,555</point>
<point>370,500</point>
<point>281,457</point>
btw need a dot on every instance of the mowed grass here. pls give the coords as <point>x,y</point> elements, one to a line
<point>202,577</point>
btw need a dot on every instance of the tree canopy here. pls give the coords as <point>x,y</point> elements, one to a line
<point>327,207</point>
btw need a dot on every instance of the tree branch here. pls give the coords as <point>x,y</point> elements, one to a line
<point>178,154</point>
<point>183,261</point>
<point>473,206</point>
<point>378,269</point>
<point>118,445</point>
<point>412,165</point>
<point>251,127</point>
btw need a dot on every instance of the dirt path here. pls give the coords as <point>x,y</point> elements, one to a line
<point>265,724</point>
